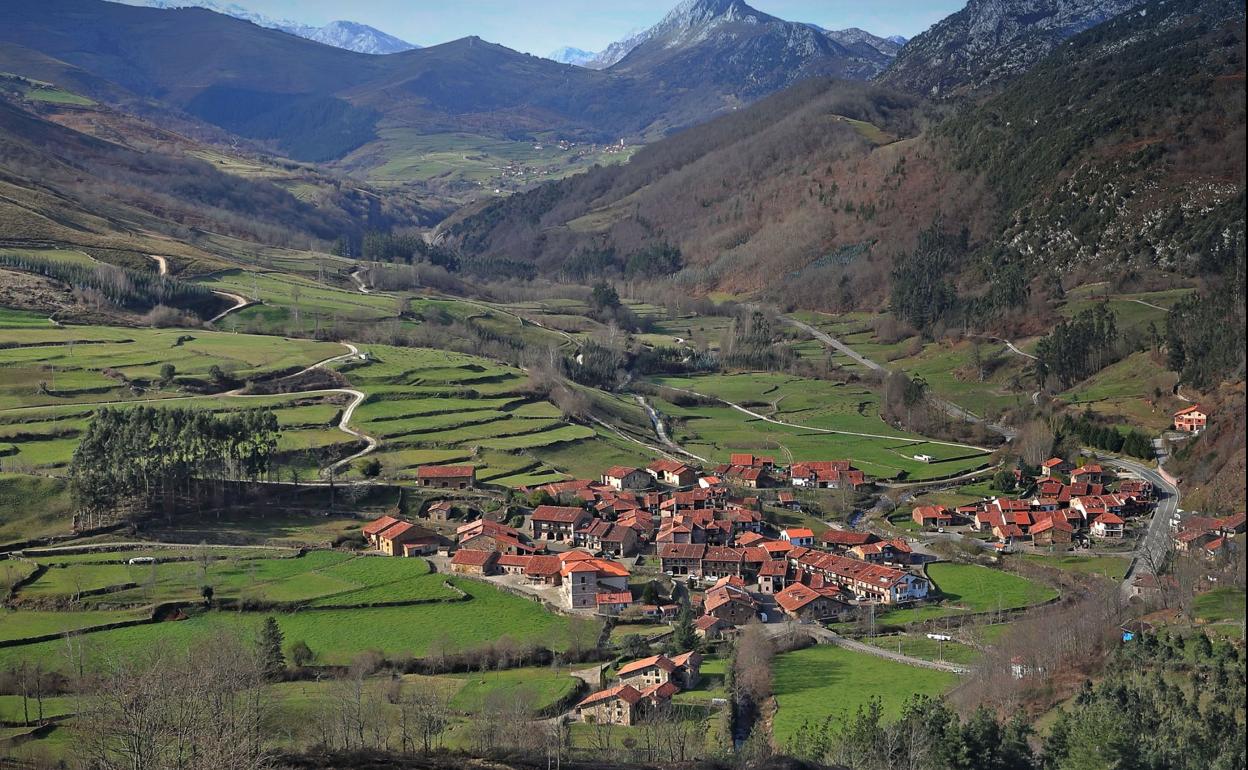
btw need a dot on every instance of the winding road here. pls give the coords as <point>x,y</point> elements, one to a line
<point>240,302</point>
<point>948,407</point>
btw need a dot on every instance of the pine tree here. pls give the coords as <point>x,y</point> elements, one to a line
<point>271,641</point>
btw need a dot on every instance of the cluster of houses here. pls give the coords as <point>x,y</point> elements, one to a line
<point>700,530</point>
<point>1211,537</point>
<point>1068,504</point>
<point>642,684</point>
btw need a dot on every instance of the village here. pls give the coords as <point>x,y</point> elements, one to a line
<point>657,542</point>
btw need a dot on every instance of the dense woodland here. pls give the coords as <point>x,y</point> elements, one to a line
<point>138,460</point>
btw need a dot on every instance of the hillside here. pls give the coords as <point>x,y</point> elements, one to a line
<point>990,41</point>
<point>318,103</point>
<point>87,176</point>
<point>815,192</point>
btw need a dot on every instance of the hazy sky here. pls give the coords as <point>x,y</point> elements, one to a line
<point>540,26</point>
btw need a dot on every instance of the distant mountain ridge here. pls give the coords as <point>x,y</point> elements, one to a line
<point>696,22</point>
<point>989,41</point>
<point>348,35</point>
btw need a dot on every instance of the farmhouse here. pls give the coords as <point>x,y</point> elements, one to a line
<point>400,538</point>
<point>730,602</point>
<point>1054,466</point>
<point>672,473</point>
<point>804,603</point>
<point>798,536</point>
<point>681,670</point>
<point>709,627</point>
<point>1088,474</point>
<point>557,522</point>
<point>446,476</point>
<point>843,540</point>
<point>476,563</point>
<point>826,474</point>
<point>773,575</point>
<point>606,537</point>
<point>1192,419</point>
<point>442,510</point>
<point>614,706</point>
<point>623,477</point>
<point>932,516</point>
<point>583,578</point>
<point>681,558</point>
<point>1108,525</point>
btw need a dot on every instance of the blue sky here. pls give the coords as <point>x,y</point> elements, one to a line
<point>540,26</point>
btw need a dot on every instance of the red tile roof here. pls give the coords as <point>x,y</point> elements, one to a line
<point>444,471</point>
<point>625,692</point>
<point>470,558</point>
<point>659,661</point>
<point>560,514</point>
<point>379,525</point>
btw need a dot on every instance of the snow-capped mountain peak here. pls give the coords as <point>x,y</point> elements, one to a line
<point>349,35</point>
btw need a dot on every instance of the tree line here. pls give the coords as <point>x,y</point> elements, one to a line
<point>134,290</point>
<point>130,460</point>
<point>1078,348</point>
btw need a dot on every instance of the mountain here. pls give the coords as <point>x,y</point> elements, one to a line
<point>317,103</point>
<point>569,55</point>
<point>989,41</point>
<point>617,50</point>
<point>739,53</point>
<point>813,195</point>
<point>357,37</point>
<point>348,35</point>
<point>889,46</point>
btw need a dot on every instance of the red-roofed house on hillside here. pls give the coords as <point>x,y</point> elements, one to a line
<point>932,516</point>
<point>446,476</point>
<point>1091,473</point>
<point>371,530</point>
<point>1108,525</point>
<point>682,558</point>
<point>477,563</point>
<point>623,477</point>
<point>616,705</point>
<point>842,540</point>
<point>826,474</point>
<point>672,472</point>
<point>798,536</point>
<point>1192,419</point>
<point>1053,466</point>
<point>389,535</point>
<point>557,522</point>
<point>752,461</point>
<point>804,603</point>
<point>583,579</point>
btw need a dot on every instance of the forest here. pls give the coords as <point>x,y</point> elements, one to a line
<point>134,461</point>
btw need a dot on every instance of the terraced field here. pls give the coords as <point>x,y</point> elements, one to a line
<point>716,431</point>
<point>336,635</point>
<point>438,407</point>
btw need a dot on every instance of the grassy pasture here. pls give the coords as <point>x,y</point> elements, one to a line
<point>321,578</point>
<point>1220,604</point>
<point>715,432</point>
<point>919,646</point>
<point>827,681</point>
<point>1112,567</point>
<point>982,589</point>
<point>336,636</point>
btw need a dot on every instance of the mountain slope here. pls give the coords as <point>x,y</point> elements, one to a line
<point>815,192</point>
<point>569,55</point>
<point>738,54</point>
<point>348,35</point>
<point>991,40</point>
<point>314,102</point>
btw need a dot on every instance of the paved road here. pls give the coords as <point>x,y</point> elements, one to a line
<point>948,407</point>
<point>1156,539</point>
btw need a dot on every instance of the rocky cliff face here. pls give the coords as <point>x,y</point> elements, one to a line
<point>989,41</point>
